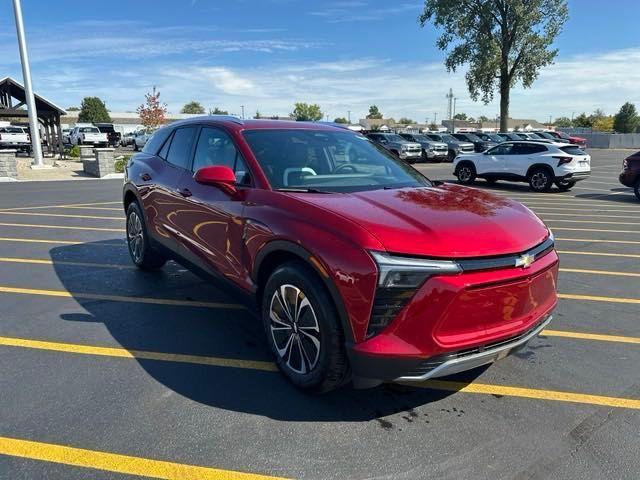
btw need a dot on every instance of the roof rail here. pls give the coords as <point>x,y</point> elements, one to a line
<point>230,118</point>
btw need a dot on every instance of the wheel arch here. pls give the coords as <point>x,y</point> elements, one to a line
<point>278,252</point>
<point>544,166</point>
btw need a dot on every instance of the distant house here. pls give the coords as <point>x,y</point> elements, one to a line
<point>493,125</point>
<point>377,123</point>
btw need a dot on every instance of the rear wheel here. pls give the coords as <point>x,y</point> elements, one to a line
<point>144,256</point>
<point>466,173</point>
<point>636,189</point>
<point>540,180</point>
<point>302,329</point>
<point>565,185</point>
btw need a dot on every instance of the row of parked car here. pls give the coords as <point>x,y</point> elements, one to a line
<point>103,135</point>
<point>415,147</point>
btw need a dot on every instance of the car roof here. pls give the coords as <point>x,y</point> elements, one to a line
<point>236,123</point>
<point>534,142</point>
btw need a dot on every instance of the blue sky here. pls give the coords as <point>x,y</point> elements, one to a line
<point>267,54</point>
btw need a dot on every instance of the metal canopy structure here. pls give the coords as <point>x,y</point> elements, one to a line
<point>12,101</point>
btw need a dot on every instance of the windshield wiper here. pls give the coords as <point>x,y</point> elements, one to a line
<point>303,190</point>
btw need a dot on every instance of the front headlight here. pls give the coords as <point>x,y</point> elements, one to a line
<point>398,280</point>
<point>403,272</point>
<point>404,147</point>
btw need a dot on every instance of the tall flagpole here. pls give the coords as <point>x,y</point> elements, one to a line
<point>26,75</point>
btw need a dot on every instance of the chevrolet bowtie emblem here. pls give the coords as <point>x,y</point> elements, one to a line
<point>525,260</point>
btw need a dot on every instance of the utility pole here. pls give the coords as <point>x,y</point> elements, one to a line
<point>450,100</point>
<point>549,121</point>
<point>242,107</point>
<point>26,76</point>
<point>435,118</point>
<point>453,118</point>
<point>349,116</point>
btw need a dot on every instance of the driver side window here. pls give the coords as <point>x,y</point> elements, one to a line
<point>215,147</point>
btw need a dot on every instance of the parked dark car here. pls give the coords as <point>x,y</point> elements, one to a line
<point>400,147</point>
<point>490,137</point>
<point>113,136</point>
<point>456,147</point>
<point>630,175</point>
<point>581,142</point>
<point>431,150</point>
<point>479,144</point>
<point>509,136</point>
<point>359,266</point>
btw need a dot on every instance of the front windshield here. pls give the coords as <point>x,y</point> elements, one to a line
<point>448,138</point>
<point>422,138</point>
<point>473,137</point>
<point>299,159</point>
<point>395,138</point>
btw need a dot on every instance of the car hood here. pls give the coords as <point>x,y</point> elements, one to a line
<point>463,144</point>
<point>446,221</point>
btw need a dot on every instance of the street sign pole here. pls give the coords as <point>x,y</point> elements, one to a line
<point>26,75</point>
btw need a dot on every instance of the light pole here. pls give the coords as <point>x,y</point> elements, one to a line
<point>435,118</point>
<point>453,118</point>
<point>242,107</point>
<point>349,116</point>
<point>26,75</point>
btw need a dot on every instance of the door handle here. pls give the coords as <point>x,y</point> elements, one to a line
<point>185,192</point>
<point>145,176</point>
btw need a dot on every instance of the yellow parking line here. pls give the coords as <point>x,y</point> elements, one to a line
<point>630,242</point>
<point>594,298</point>
<point>35,207</point>
<point>591,336</point>
<point>596,222</point>
<point>600,272</point>
<point>599,254</point>
<point>270,367</point>
<point>62,242</point>
<point>62,227</point>
<point>601,230</point>
<point>117,463</point>
<point>137,354</point>
<point>581,209</point>
<point>537,394</point>
<point>64,215</point>
<point>118,298</point>
<point>79,207</point>
<point>43,261</point>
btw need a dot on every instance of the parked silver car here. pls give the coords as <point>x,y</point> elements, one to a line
<point>456,147</point>
<point>431,150</point>
<point>401,148</point>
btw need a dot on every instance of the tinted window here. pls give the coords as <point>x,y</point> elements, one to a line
<point>329,161</point>
<point>181,145</point>
<point>156,140</point>
<point>88,130</point>
<point>165,148</point>
<point>215,147</point>
<point>502,149</point>
<point>572,150</point>
<point>528,149</point>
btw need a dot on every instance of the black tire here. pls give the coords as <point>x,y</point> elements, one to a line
<point>636,189</point>
<point>491,180</point>
<point>466,173</point>
<point>135,147</point>
<point>315,371</point>
<point>143,255</point>
<point>565,185</point>
<point>540,180</point>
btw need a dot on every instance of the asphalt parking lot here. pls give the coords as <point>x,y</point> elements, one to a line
<point>110,372</point>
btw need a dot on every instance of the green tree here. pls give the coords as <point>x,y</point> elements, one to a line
<point>73,109</point>
<point>93,110</point>
<point>217,111</point>
<point>562,122</point>
<point>502,41</point>
<point>483,119</point>
<point>406,121</point>
<point>433,127</point>
<point>340,120</point>
<point>460,116</point>
<point>192,107</point>
<point>583,121</point>
<point>258,115</point>
<point>626,120</point>
<point>603,124</point>
<point>374,113</point>
<point>304,112</point>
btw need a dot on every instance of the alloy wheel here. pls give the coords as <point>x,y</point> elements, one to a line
<point>135,236</point>
<point>464,174</point>
<point>294,329</point>
<point>539,181</point>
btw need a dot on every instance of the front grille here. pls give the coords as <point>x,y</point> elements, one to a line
<point>434,362</point>
<point>506,261</point>
<point>387,303</point>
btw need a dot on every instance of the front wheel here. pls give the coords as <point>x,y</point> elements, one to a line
<point>565,185</point>
<point>302,329</point>
<point>466,173</point>
<point>540,180</point>
<point>144,256</point>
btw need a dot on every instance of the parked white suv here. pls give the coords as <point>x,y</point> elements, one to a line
<point>539,164</point>
<point>88,136</point>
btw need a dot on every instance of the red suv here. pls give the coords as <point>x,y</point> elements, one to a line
<point>361,268</point>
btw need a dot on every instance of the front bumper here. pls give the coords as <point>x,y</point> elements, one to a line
<point>436,153</point>
<point>410,155</point>
<point>628,178</point>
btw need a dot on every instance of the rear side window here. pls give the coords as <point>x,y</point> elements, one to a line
<point>572,150</point>
<point>181,147</point>
<point>155,142</point>
<point>529,148</point>
<point>502,149</point>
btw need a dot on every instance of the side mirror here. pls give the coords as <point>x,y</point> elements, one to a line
<point>217,176</point>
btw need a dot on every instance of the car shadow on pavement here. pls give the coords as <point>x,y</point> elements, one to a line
<point>614,196</point>
<point>212,332</point>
